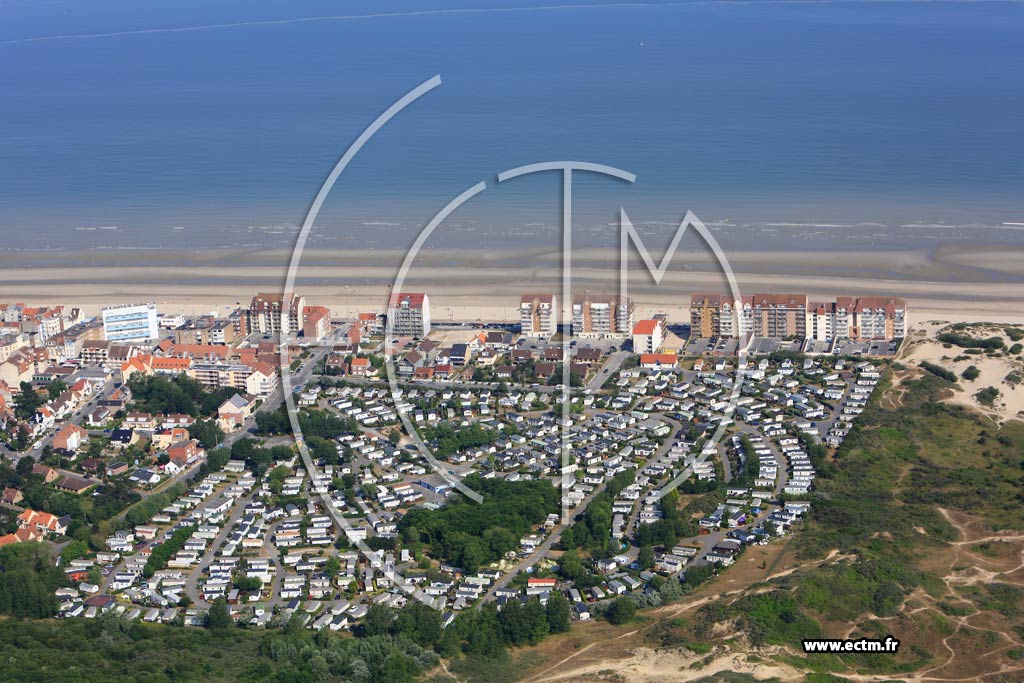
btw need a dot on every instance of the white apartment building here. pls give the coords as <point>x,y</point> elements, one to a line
<point>409,314</point>
<point>130,323</point>
<point>538,316</point>
<point>648,335</point>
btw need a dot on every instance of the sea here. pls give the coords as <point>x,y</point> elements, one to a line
<point>145,126</point>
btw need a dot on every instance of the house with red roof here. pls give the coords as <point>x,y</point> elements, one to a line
<point>70,438</point>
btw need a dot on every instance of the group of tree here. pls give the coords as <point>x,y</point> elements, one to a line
<point>207,433</point>
<point>966,341</point>
<point>470,534</point>
<point>110,649</point>
<point>445,440</point>
<point>669,529</point>
<point>28,579</point>
<point>312,423</point>
<point>257,457</point>
<point>143,511</point>
<point>592,529</point>
<point>938,371</point>
<point>484,631</point>
<point>161,554</point>
<point>162,395</point>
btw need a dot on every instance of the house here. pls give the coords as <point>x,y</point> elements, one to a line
<point>185,453</point>
<point>176,420</point>
<point>144,477</point>
<point>72,484</point>
<point>233,413</point>
<point>498,340</point>
<point>408,365</point>
<point>164,438</point>
<point>648,335</point>
<point>21,536</point>
<point>92,464</point>
<point>360,367</point>
<point>461,354</point>
<point>115,469</point>
<point>49,475</point>
<point>122,438</point>
<point>544,370</point>
<point>43,522</point>
<point>140,421</point>
<point>12,496</point>
<point>657,361</point>
<point>98,417</point>
<point>69,438</point>
<point>316,322</point>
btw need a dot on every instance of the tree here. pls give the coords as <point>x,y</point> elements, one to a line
<point>74,550</point>
<point>536,616</point>
<point>277,477</point>
<point>645,558</point>
<point>515,627</point>
<point>219,617</point>
<point>207,433</point>
<point>333,566</point>
<point>558,613</point>
<point>570,566</point>
<point>28,579</point>
<point>25,465</point>
<point>378,621</point>
<point>95,576</point>
<point>621,611</point>
<point>420,623</point>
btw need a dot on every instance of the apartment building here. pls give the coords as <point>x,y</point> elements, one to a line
<point>268,310</point>
<point>601,315</point>
<point>371,324</point>
<point>718,315</point>
<point>780,315</point>
<point>861,318</point>
<point>409,314</point>
<point>316,322</point>
<point>10,343</point>
<point>207,330</point>
<point>649,335</point>
<point>792,315</point>
<point>130,323</point>
<point>538,315</point>
<point>257,379</point>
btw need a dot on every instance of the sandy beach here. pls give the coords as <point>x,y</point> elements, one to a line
<point>979,284</point>
<point>961,285</point>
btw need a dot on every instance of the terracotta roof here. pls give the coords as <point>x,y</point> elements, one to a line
<point>658,359</point>
<point>645,327</point>
<point>415,299</point>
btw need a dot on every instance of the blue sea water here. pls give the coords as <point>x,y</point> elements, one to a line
<point>199,125</point>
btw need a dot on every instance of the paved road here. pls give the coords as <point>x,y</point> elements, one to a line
<point>610,367</point>
<point>75,418</point>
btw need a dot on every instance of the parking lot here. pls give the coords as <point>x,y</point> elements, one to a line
<point>845,347</point>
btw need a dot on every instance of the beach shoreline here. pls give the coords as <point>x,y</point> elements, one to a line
<point>468,286</point>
